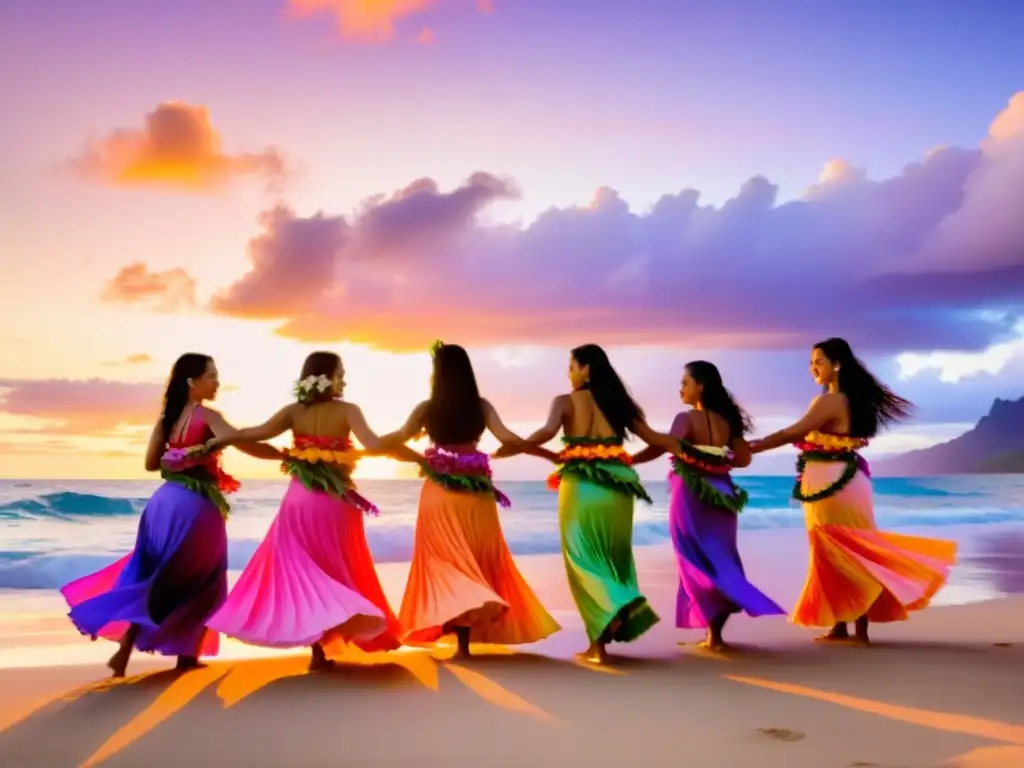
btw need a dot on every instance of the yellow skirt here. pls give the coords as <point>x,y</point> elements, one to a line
<point>857,570</point>
<point>462,574</point>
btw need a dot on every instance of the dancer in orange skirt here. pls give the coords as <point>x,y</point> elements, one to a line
<point>462,580</point>
<point>856,572</point>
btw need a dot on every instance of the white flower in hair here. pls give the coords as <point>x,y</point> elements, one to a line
<point>323,383</point>
<point>307,383</point>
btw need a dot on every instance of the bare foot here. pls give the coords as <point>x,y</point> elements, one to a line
<point>838,634</point>
<point>118,663</point>
<point>712,644</point>
<point>461,654</point>
<point>595,654</point>
<point>186,663</point>
<point>318,660</point>
<point>861,632</point>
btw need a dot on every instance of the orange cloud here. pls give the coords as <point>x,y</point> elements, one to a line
<point>372,21</point>
<point>177,146</point>
<point>139,358</point>
<point>169,291</point>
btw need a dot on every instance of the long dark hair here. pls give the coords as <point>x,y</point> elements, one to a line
<point>609,393</point>
<point>872,404</point>
<point>454,413</point>
<point>320,364</point>
<point>715,398</point>
<point>191,365</point>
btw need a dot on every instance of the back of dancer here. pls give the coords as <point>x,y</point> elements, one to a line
<point>311,581</point>
<point>462,579</point>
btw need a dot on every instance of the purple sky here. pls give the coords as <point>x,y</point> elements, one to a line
<point>731,181</point>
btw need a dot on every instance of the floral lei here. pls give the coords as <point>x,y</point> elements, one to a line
<point>582,457</point>
<point>462,472</point>
<point>320,465</point>
<point>694,465</point>
<point>823,447</point>
<point>306,388</point>
<point>199,471</point>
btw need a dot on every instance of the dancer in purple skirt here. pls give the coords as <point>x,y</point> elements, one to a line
<point>705,504</point>
<point>159,597</point>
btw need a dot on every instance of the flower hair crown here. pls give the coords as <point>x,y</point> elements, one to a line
<point>305,388</point>
<point>435,347</point>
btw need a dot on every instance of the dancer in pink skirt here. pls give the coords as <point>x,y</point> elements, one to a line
<point>312,579</point>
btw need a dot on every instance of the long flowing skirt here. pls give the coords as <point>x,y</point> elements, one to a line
<point>856,569</point>
<point>596,525</point>
<point>311,580</point>
<point>711,576</point>
<point>462,574</point>
<point>169,586</point>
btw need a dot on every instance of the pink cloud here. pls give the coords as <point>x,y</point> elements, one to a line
<point>140,358</point>
<point>177,146</point>
<point>168,291</point>
<point>752,273</point>
<point>82,407</point>
<point>426,36</point>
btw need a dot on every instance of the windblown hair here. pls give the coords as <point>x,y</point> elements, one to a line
<point>872,404</point>
<point>715,398</point>
<point>320,364</point>
<point>454,412</point>
<point>191,365</point>
<point>610,395</point>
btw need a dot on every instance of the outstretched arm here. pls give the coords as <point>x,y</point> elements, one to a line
<point>511,443</point>
<point>643,430</point>
<point>533,443</point>
<point>371,442</point>
<point>155,447</point>
<point>412,429</point>
<point>823,409</point>
<point>679,430</point>
<point>248,440</point>
<point>740,452</point>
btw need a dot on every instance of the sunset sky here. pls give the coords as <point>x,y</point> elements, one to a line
<point>674,180</point>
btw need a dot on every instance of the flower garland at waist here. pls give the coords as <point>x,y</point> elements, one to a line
<point>325,464</point>
<point>823,447</point>
<point>695,464</point>
<point>461,472</point>
<point>201,473</point>
<point>587,458</point>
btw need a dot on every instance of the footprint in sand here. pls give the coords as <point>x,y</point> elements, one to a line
<point>1003,645</point>
<point>782,734</point>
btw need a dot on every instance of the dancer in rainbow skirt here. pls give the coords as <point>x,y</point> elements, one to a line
<point>463,580</point>
<point>856,573</point>
<point>159,597</point>
<point>705,506</point>
<point>597,487</point>
<point>311,581</point>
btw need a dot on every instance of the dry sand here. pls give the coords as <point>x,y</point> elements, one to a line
<point>944,689</point>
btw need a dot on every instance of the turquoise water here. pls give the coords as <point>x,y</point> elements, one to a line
<point>54,531</point>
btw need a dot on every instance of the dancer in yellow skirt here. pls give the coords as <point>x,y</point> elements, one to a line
<point>462,579</point>
<point>856,572</point>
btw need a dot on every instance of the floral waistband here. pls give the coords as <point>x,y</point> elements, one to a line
<point>319,472</point>
<point>314,454</point>
<point>823,447</point>
<point>201,473</point>
<point>695,465</point>
<point>703,458</point>
<point>593,449</point>
<point>592,459</point>
<point>462,472</point>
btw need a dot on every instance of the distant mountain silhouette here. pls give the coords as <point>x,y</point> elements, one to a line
<point>996,445</point>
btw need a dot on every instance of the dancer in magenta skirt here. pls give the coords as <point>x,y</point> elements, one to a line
<point>311,581</point>
<point>159,597</point>
<point>705,505</point>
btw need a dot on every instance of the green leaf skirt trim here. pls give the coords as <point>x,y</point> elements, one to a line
<point>849,458</point>
<point>593,472</point>
<point>202,485</point>
<point>707,493</point>
<point>465,483</point>
<point>317,476</point>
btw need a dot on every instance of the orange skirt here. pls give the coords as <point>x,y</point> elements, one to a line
<point>857,570</point>
<point>462,574</point>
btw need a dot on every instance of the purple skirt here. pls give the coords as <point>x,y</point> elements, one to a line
<point>169,586</point>
<point>711,577</point>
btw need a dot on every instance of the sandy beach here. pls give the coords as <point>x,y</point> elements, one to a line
<point>944,689</point>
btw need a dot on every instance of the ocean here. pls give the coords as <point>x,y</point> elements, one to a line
<point>55,531</point>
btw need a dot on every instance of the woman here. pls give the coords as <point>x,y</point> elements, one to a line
<point>311,581</point>
<point>705,504</point>
<point>596,488</point>
<point>856,572</point>
<point>463,580</point>
<point>159,597</point>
